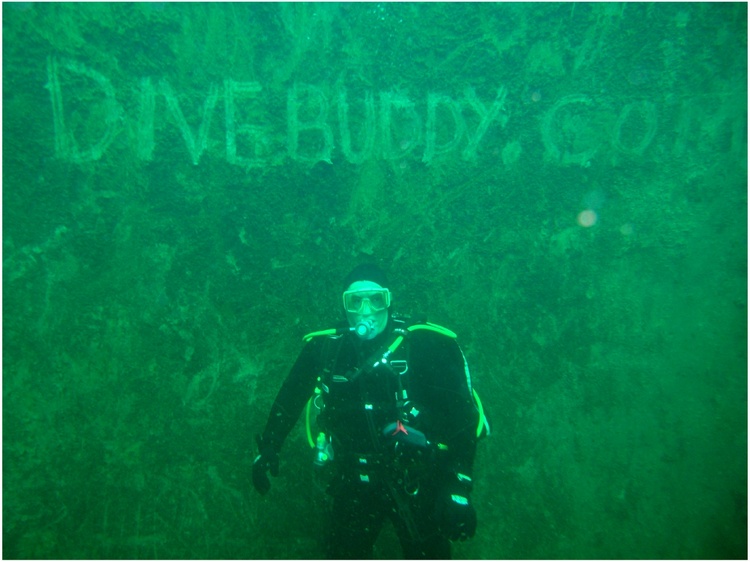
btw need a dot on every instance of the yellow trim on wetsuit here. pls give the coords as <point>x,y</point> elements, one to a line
<point>311,335</point>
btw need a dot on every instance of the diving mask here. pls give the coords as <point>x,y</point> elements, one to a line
<point>366,300</point>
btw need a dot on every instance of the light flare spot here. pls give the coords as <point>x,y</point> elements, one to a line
<point>587,218</point>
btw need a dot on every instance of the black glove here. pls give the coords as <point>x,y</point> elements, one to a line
<point>267,460</point>
<point>456,517</point>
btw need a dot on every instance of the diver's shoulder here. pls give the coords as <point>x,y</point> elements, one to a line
<point>420,328</point>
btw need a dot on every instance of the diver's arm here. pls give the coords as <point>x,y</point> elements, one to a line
<point>441,363</point>
<point>292,397</point>
<point>461,411</point>
<point>289,402</point>
<point>454,419</point>
<point>454,511</point>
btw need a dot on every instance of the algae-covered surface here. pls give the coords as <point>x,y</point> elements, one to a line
<point>185,185</point>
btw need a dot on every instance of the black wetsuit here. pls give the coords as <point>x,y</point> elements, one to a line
<point>375,422</point>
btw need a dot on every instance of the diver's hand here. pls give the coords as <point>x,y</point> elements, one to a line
<point>266,461</point>
<point>456,517</point>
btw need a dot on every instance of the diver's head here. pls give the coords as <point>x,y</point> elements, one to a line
<point>366,301</point>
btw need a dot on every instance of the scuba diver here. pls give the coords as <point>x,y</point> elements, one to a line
<point>399,423</point>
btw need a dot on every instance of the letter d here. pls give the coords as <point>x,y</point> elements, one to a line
<point>66,146</point>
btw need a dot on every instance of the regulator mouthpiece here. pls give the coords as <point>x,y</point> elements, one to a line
<point>365,329</point>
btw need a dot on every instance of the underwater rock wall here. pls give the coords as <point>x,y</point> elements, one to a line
<point>184,186</point>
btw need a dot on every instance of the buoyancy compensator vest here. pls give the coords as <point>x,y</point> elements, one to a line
<point>378,410</point>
